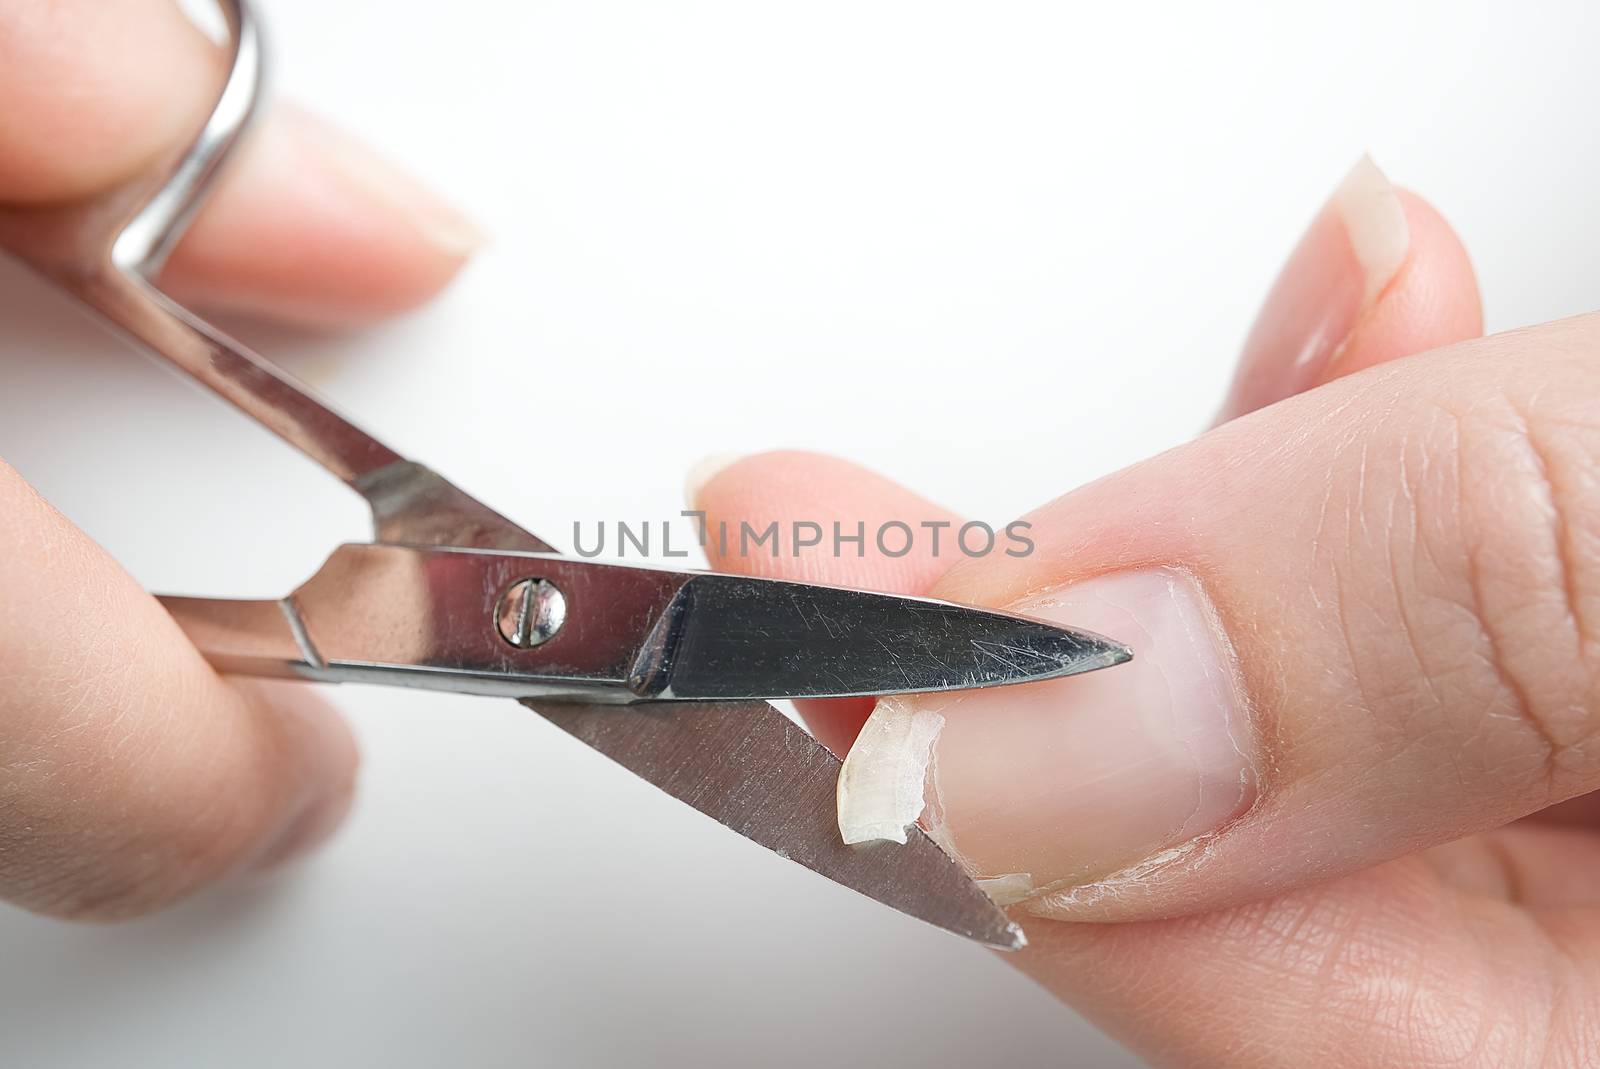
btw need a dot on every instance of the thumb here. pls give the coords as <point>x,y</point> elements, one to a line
<point>131,774</point>
<point>1363,622</point>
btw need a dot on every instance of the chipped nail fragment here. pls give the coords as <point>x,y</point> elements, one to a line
<point>883,782</point>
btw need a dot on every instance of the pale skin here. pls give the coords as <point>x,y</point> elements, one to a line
<point>1396,526</point>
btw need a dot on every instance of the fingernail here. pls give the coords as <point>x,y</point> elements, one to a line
<point>1351,251</point>
<point>1046,786</point>
<point>703,471</point>
<point>438,222</point>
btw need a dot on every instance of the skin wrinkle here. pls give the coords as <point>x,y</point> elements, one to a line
<point>1491,631</point>
<point>1353,512</point>
<point>1548,495</point>
<point>1561,533</point>
<point>1432,552</point>
<point>1412,487</point>
<point>1406,987</point>
<point>1510,868</point>
<point>1421,642</point>
<point>1390,986</point>
<point>1351,645</point>
<point>1395,544</point>
<point>1320,937</point>
<point>1496,695</point>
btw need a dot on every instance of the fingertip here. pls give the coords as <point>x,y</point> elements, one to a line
<point>266,776</point>
<point>312,227</point>
<point>792,486</point>
<point>1432,301</point>
<point>1377,275</point>
<point>95,91</point>
<point>1438,251</point>
<point>703,471</point>
<point>772,479</point>
<point>323,761</point>
<point>786,488</point>
<point>791,480</point>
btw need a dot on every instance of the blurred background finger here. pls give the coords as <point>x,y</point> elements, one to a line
<point>1379,274</point>
<point>307,224</point>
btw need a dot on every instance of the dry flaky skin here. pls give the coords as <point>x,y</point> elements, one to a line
<point>882,784</point>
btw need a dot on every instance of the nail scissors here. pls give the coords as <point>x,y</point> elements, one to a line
<point>667,672</point>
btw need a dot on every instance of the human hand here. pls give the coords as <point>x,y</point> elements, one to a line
<point>130,773</point>
<point>1334,812</point>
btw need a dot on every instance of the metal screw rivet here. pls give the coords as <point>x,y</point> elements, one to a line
<point>530,612</point>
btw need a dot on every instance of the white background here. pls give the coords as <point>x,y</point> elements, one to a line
<point>995,249</point>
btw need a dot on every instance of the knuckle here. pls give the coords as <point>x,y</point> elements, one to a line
<point>1460,549</point>
<point>1529,516</point>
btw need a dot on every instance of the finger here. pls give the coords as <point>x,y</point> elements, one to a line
<point>1362,623</point>
<point>130,773</point>
<point>305,225</point>
<point>1378,275</point>
<point>1387,967</point>
<point>310,226</point>
<point>785,488</point>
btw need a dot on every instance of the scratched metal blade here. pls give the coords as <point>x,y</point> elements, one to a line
<point>730,637</point>
<point>750,767</point>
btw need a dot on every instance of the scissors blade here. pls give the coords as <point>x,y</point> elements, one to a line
<point>429,616</point>
<point>748,766</point>
<point>727,637</point>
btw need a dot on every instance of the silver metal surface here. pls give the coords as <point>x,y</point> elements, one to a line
<point>448,618</point>
<point>774,784</point>
<point>530,613</point>
<point>420,607</point>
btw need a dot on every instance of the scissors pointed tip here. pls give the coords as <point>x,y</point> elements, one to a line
<point>1014,939</point>
<point>1028,651</point>
<point>1084,651</point>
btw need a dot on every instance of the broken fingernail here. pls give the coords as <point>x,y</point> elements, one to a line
<point>1352,250</point>
<point>1053,785</point>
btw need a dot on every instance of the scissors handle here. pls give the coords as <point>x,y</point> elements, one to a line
<point>235,373</point>
<point>105,250</point>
